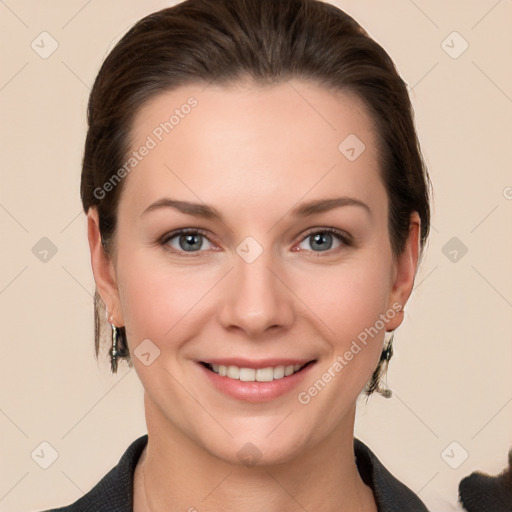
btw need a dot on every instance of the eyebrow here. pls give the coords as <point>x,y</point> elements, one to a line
<point>323,205</point>
<point>209,212</point>
<point>196,209</point>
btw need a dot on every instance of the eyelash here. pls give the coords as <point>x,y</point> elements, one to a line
<point>341,235</point>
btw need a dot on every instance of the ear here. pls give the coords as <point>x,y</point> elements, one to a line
<point>406,264</point>
<point>103,270</point>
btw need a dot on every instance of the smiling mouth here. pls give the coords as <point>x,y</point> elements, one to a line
<point>256,375</point>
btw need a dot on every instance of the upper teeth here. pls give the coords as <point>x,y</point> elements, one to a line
<point>252,374</point>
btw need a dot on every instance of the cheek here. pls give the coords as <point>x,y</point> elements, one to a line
<point>160,299</point>
<point>349,297</point>
<point>349,302</point>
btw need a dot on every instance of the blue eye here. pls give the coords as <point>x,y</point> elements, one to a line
<point>323,240</point>
<point>190,240</point>
<point>186,240</point>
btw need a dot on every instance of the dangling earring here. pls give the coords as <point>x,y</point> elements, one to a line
<point>388,351</point>
<point>385,356</point>
<point>113,351</point>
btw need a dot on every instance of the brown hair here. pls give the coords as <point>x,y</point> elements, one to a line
<point>267,41</point>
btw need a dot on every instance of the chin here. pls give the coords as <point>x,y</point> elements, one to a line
<point>262,447</point>
<point>257,454</point>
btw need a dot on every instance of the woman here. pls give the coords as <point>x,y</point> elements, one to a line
<point>257,204</point>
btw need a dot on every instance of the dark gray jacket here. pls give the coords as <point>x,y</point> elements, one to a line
<point>114,492</point>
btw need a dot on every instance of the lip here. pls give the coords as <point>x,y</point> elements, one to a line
<point>255,392</point>
<point>263,363</point>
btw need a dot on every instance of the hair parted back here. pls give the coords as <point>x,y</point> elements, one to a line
<point>265,41</point>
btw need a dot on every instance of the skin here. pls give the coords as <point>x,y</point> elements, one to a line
<point>254,153</point>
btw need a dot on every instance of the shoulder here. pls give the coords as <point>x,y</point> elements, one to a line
<point>390,494</point>
<point>114,492</point>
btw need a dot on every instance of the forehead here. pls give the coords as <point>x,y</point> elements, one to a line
<point>263,141</point>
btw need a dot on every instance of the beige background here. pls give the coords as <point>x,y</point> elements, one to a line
<point>451,373</point>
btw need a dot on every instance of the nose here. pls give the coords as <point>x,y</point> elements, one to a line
<point>256,298</point>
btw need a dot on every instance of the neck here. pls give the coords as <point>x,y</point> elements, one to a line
<point>180,476</point>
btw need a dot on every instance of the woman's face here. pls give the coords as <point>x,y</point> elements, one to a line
<point>286,261</point>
